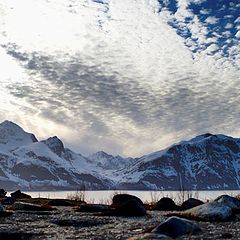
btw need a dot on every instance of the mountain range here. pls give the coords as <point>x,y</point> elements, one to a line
<point>205,162</point>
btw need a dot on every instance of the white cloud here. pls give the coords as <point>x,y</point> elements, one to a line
<point>212,48</point>
<point>237,20</point>
<point>237,34</point>
<point>204,11</point>
<point>229,25</point>
<point>211,20</point>
<point>121,79</point>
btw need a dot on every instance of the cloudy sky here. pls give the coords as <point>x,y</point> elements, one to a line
<point>125,76</point>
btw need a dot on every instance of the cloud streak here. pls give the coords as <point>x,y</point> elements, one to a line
<point>131,79</point>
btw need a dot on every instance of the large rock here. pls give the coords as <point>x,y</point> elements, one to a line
<point>231,202</point>
<point>175,227</point>
<point>191,203</point>
<point>212,212</point>
<point>120,199</point>
<point>131,208</point>
<point>166,204</point>
<point>19,195</point>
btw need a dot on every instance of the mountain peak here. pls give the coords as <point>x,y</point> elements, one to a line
<point>205,136</point>
<point>13,136</point>
<point>100,154</point>
<point>55,144</point>
<point>10,125</point>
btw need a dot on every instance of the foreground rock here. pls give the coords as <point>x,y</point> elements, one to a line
<point>175,227</point>
<point>191,203</point>
<point>31,207</point>
<point>131,208</point>
<point>67,224</point>
<point>212,212</point>
<point>19,195</point>
<point>231,202</point>
<point>166,204</point>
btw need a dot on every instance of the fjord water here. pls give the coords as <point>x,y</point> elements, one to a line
<point>146,196</point>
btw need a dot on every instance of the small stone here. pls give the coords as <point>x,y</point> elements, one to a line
<point>175,227</point>
<point>61,202</point>
<point>227,235</point>
<point>8,201</point>
<point>1,208</point>
<point>30,207</point>
<point>78,223</point>
<point>4,213</point>
<point>93,208</point>
<point>2,193</point>
<point>150,236</point>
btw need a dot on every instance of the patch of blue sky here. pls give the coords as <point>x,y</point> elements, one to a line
<point>171,5</point>
<point>225,11</point>
<point>218,16</point>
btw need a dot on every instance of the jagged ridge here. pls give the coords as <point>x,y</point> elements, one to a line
<point>205,162</point>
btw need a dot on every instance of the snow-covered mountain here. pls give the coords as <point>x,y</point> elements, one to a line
<point>29,164</point>
<point>205,162</point>
<point>110,162</point>
<point>12,136</point>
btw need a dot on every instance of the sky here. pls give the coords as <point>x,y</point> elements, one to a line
<point>127,77</point>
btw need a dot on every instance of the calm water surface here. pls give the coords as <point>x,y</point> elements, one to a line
<point>146,196</point>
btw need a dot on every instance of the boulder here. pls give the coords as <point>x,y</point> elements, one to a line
<point>165,204</point>
<point>2,193</point>
<point>210,212</point>
<point>93,208</point>
<point>131,208</point>
<point>175,227</point>
<point>150,236</point>
<point>191,203</point>
<point>31,207</point>
<point>229,201</point>
<point>119,199</point>
<point>19,195</point>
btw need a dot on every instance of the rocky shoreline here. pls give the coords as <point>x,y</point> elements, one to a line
<point>126,218</point>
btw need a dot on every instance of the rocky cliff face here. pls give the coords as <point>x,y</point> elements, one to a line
<point>204,162</point>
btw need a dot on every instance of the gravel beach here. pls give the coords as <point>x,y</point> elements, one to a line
<point>65,223</point>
